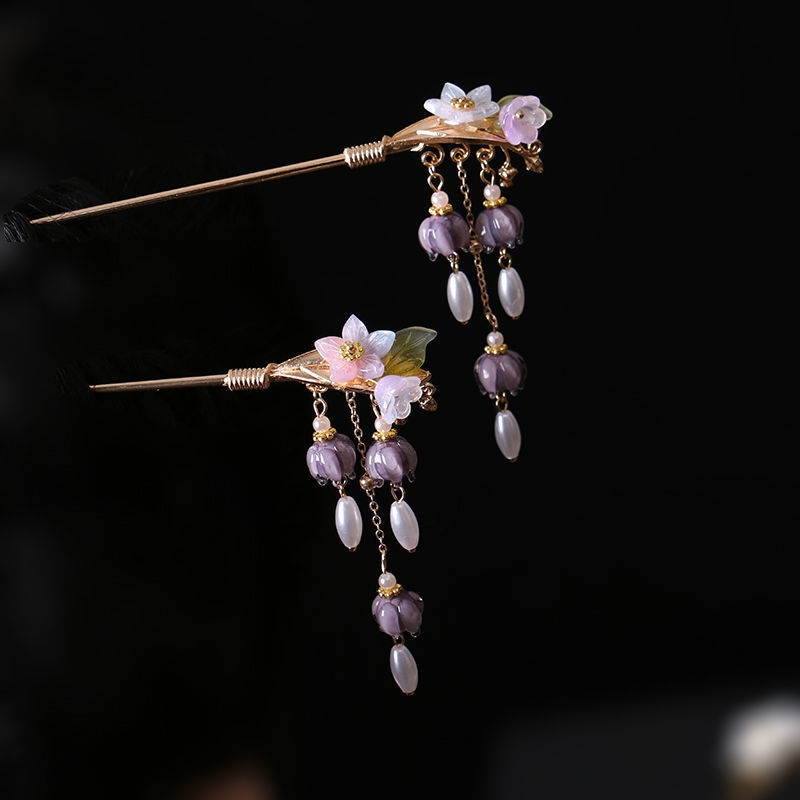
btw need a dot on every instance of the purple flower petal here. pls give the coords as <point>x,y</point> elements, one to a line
<point>380,342</point>
<point>355,330</point>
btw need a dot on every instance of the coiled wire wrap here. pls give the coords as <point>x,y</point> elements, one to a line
<point>364,154</point>
<point>252,378</point>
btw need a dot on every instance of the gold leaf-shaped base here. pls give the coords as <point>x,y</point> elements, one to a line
<point>312,369</point>
<point>433,130</point>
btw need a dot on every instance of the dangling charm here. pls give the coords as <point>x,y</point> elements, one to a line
<point>398,611</point>
<point>332,457</point>
<point>500,373</point>
<point>512,124</point>
<point>501,225</point>
<point>388,366</point>
<point>391,458</point>
<point>445,232</point>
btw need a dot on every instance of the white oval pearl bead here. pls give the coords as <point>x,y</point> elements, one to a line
<point>321,424</point>
<point>387,580</point>
<point>439,199</point>
<point>491,192</point>
<point>404,668</point>
<point>381,425</point>
<point>507,434</point>
<point>459,296</point>
<point>348,522</point>
<point>404,524</point>
<point>494,339</point>
<point>511,292</point>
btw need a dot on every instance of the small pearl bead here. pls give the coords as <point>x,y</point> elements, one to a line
<point>387,580</point>
<point>439,199</point>
<point>494,339</point>
<point>491,191</point>
<point>321,424</point>
<point>381,425</point>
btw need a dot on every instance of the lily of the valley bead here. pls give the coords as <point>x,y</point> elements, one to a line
<point>394,395</point>
<point>395,609</point>
<point>331,459</point>
<point>443,235</point>
<point>500,371</point>
<point>521,119</point>
<point>391,460</point>
<point>499,226</point>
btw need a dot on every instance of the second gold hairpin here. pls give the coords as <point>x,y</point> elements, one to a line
<point>386,366</point>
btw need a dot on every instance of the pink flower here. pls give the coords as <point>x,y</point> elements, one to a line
<point>521,119</point>
<point>357,354</point>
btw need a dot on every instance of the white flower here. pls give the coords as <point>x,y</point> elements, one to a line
<point>394,395</point>
<point>457,107</point>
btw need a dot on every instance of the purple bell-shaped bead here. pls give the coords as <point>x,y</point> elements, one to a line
<point>501,226</point>
<point>443,234</point>
<point>391,460</point>
<point>501,372</point>
<point>331,459</point>
<point>397,610</point>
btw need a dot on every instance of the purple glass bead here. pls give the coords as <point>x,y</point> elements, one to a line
<point>391,461</point>
<point>499,227</point>
<point>501,373</point>
<point>332,460</point>
<point>443,235</point>
<point>399,614</point>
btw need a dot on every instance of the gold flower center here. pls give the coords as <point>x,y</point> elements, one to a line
<point>462,103</point>
<point>350,351</point>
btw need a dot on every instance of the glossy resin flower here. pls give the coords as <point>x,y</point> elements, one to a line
<point>456,106</point>
<point>521,119</point>
<point>394,395</point>
<point>357,353</point>
<point>399,613</point>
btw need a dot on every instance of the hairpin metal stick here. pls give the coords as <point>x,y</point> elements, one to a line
<point>226,379</point>
<point>309,369</point>
<point>430,130</point>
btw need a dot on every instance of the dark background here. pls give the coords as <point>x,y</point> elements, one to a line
<point>175,606</point>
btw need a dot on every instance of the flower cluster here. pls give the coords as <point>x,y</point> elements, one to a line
<point>520,117</point>
<point>360,355</point>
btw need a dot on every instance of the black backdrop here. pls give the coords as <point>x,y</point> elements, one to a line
<point>175,602</point>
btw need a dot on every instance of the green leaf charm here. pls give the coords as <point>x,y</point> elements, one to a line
<point>408,351</point>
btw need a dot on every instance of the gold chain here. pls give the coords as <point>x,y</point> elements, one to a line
<point>370,492</point>
<point>460,154</point>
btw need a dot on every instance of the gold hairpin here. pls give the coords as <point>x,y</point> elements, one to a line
<point>430,130</point>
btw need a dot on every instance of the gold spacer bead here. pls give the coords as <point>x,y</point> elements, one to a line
<point>440,212</point>
<point>501,201</point>
<point>324,436</point>
<point>496,351</point>
<point>393,592</point>
<point>385,436</point>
